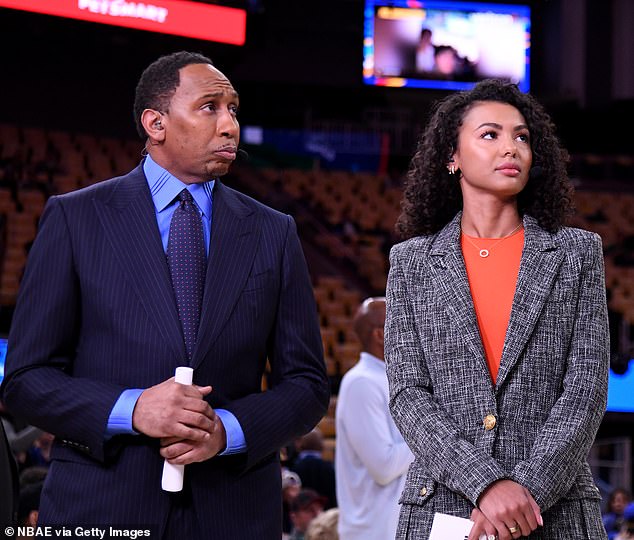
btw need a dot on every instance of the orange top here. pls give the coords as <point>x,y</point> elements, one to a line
<point>492,281</point>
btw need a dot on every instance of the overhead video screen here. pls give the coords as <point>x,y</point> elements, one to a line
<point>445,45</point>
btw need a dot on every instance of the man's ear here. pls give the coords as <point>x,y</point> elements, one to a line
<point>152,122</point>
<point>378,334</point>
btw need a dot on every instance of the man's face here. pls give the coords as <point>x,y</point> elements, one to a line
<point>301,518</point>
<point>619,503</point>
<point>201,129</point>
<point>446,62</point>
<point>290,492</point>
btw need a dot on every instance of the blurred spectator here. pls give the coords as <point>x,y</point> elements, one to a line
<point>315,472</point>
<point>304,508</point>
<point>446,61</point>
<point>33,475</point>
<point>40,452</point>
<point>418,58</point>
<point>29,505</point>
<point>425,51</point>
<point>324,526</point>
<point>291,486</point>
<point>31,484</point>
<point>613,518</point>
<point>372,457</point>
<point>627,529</point>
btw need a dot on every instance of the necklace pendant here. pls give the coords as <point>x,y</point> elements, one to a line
<point>484,253</point>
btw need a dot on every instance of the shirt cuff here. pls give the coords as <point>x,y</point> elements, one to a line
<point>120,419</point>
<point>236,442</point>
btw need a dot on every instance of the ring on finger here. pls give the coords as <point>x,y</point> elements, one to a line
<point>514,529</point>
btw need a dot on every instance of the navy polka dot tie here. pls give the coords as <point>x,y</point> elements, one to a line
<point>187,262</point>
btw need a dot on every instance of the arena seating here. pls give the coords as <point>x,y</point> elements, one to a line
<point>356,211</point>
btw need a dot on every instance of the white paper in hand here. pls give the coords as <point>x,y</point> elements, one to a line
<point>172,479</point>
<point>447,527</point>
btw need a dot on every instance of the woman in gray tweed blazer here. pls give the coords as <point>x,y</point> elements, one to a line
<point>509,452</point>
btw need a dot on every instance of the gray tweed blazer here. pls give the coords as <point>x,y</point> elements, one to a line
<point>537,423</point>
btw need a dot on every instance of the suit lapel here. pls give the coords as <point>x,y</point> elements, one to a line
<point>234,239</point>
<point>129,222</point>
<point>539,267</point>
<point>452,286</point>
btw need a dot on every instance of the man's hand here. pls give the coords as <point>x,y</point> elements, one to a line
<point>170,409</point>
<point>510,508</point>
<point>184,451</point>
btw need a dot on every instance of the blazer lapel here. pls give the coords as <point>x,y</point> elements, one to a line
<point>539,267</point>
<point>129,222</point>
<point>234,239</point>
<point>452,285</point>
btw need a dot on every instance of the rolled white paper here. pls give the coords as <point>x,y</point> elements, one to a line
<point>173,474</point>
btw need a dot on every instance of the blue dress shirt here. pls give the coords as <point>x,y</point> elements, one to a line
<point>164,188</point>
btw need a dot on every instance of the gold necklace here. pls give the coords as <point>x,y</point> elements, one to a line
<point>484,253</point>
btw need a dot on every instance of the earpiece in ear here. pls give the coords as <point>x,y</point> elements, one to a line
<point>157,124</point>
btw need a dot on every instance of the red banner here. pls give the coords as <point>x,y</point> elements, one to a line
<point>178,17</point>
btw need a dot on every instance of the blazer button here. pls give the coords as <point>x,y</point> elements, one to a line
<point>423,491</point>
<point>489,422</point>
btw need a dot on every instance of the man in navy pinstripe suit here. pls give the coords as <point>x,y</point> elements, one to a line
<point>96,334</point>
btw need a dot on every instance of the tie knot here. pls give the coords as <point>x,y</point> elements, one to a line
<point>185,196</point>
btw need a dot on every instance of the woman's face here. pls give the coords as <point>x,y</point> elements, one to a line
<point>494,151</point>
<point>619,502</point>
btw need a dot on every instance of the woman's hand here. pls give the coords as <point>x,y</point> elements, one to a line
<point>482,527</point>
<point>510,508</point>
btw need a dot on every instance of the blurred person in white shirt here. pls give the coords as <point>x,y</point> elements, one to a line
<point>372,457</point>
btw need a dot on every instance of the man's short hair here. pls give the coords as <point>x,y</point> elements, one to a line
<point>305,498</point>
<point>289,479</point>
<point>29,500</point>
<point>159,82</point>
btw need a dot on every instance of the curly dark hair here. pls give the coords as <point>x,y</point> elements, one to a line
<point>159,82</point>
<point>432,196</point>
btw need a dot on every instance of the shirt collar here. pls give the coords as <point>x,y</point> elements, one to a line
<point>164,188</point>
<point>372,361</point>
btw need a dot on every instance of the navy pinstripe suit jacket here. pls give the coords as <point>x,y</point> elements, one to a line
<point>547,401</point>
<point>96,314</point>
